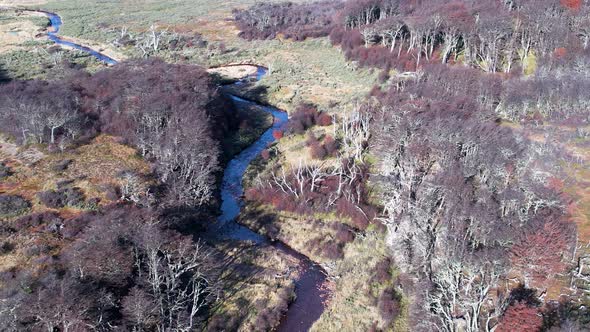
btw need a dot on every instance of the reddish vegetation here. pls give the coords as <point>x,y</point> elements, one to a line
<point>150,109</point>
<point>389,305</point>
<point>541,248</point>
<point>407,34</point>
<point>319,150</point>
<point>307,116</point>
<point>310,202</point>
<point>277,134</point>
<point>572,4</point>
<point>265,154</point>
<point>521,318</point>
<point>560,52</point>
<point>267,20</point>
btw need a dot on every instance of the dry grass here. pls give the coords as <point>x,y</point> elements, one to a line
<point>290,228</point>
<point>18,29</point>
<point>253,279</point>
<point>234,72</point>
<point>93,166</point>
<point>351,308</point>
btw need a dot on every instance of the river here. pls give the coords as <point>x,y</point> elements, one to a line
<point>309,288</point>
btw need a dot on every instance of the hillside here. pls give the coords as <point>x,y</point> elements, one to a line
<point>361,165</point>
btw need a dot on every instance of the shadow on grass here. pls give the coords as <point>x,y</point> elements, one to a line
<point>3,75</point>
<point>260,221</point>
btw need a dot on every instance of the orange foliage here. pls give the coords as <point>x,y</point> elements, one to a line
<point>540,250</point>
<point>521,318</point>
<point>277,134</point>
<point>560,52</point>
<point>572,4</point>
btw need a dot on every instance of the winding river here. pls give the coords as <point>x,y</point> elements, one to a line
<point>310,294</point>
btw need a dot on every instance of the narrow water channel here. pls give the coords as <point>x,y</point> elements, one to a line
<point>310,293</point>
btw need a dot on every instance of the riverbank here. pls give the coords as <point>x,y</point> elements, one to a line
<point>325,78</point>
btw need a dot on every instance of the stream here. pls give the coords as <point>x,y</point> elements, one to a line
<point>310,294</point>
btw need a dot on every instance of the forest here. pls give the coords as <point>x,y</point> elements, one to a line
<point>130,262</point>
<point>471,203</point>
<point>452,196</point>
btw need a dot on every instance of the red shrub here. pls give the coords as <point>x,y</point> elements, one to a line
<point>572,4</point>
<point>347,209</point>
<point>331,146</point>
<point>541,248</point>
<point>277,134</point>
<point>388,305</point>
<point>521,318</point>
<point>252,194</point>
<point>304,117</point>
<point>265,154</point>
<point>324,119</point>
<point>560,52</point>
<point>318,151</point>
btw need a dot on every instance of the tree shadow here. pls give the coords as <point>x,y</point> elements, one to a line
<point>249,91</point>
<point>264,220</point>
<point>4,78</point>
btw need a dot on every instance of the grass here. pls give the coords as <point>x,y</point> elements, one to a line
<point>82,17</point>
<point>252,281</point>
<point>310,71</point>
<point>37,63</point>
<point>352,306</point>
<point>530,63</point>
<point>93,167</point>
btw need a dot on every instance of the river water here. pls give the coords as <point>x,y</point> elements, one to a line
<point>309,288</point>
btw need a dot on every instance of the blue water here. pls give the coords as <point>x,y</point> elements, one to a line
<point>232,189</point>
<point>56,23</point>
<point>310,296</point>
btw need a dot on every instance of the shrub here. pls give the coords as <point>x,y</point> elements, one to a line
<point>112,192</point>
<point>343,233</point>
<point>61,197</point>
<point>521,318</point>
<point>6,247</point>
<point>62,165</point>
<point>572,4</point>
<point>305,117</point>
<point>265,154</point>
<point>5,171</point>
<point>324,119</point>
<point>333,250</point>
<point>318,151</point>
<point>388,305</point>
<point>11,205</point>
<point>331,146</point>
<point>37,219</point>
<point>277,134</point>
<point>382,271</point>
<point>348,209</point>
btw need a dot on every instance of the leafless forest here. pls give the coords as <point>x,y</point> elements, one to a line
<point>465,156</point>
